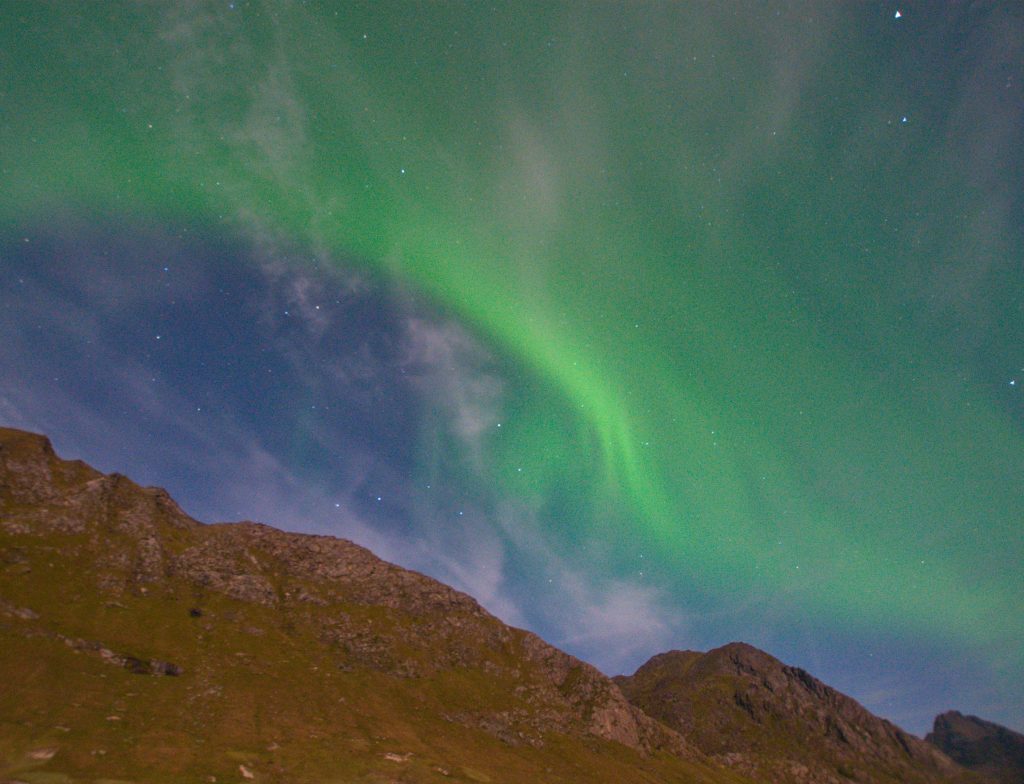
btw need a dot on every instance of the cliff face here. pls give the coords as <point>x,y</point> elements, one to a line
<point>980,745</point>
<point>747,710</point>
<point>139,639</point>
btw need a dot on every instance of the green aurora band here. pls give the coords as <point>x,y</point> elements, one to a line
<point>756,324</point>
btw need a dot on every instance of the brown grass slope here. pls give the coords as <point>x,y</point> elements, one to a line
<point>137,644</point>
<point>748,710</point>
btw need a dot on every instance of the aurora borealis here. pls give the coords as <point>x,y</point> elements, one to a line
<point>650,325</point>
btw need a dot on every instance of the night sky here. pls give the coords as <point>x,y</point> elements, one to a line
<point>650,326</point>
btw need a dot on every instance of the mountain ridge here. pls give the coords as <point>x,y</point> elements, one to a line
<point>91,559</point>
<point>145,645</point>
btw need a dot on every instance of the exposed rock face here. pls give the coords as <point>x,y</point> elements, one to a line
<point>980,745</point>
<point>777,723</point>
<point>119,575</point>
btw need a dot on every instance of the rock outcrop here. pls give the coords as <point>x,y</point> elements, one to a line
<point>990,749</point>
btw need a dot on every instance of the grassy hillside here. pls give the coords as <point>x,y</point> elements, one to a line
<point>139,645</point>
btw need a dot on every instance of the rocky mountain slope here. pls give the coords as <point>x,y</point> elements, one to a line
<point>980,745</point>
<point>137,644</point>
<point>749,711</point>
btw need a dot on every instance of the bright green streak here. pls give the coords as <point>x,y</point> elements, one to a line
<point>702,255</point>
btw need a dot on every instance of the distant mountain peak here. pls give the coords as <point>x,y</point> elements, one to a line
<point>748,710</point>
<point>984,746</point>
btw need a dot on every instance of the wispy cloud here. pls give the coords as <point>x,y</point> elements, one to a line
<point>453,371</point>
<point>613,622</point>
<point>474,558</point>
<point>618,624</point>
